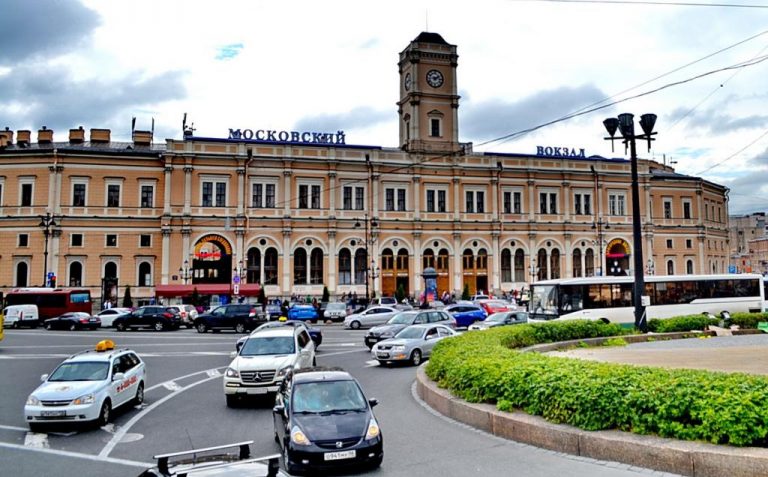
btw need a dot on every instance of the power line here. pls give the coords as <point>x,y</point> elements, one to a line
<point>734,154</point>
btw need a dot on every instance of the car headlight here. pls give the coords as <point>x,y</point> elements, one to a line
<point>298,437</point>
<point>284,371</point>
<point>232,373</point>
<point>32,401</point>
<point>86,399</point>
<point>373,430</point>
<point>398,348</point>
<point>387,334</point>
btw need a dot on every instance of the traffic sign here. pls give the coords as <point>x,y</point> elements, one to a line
<point>236,289</point>
<point>236,279</point>
<point>50,274</point>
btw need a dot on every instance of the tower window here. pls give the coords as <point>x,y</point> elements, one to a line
<point>434,127</point>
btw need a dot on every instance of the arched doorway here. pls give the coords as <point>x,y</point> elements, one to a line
<point>212,261</point>
<point>475,270</point>
<point>394,272</point>
<point>617,257</point>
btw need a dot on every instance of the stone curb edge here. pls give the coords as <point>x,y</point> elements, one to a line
<point>694,459</point>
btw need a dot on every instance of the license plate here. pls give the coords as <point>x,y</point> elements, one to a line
<point>340,455</point>
<point>53,413</point>
<point>257,391</point>
<point>92,320</point>
<point>382,355</point>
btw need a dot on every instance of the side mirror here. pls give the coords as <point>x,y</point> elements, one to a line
<point>373,402</point>
<point>43,377</point>
<point>278,409</point>
<point>233,354</point>
<point>118,377</point>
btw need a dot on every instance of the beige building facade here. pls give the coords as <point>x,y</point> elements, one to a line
<point>299,211</point>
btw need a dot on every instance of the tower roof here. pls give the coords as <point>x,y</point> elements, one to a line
<point>428,37</point>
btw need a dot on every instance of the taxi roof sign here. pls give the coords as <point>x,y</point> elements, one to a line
<point>105,345</point>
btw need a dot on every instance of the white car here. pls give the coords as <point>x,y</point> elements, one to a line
<point>264,359</point>
<point>375,315</point>
<point>335,311</point>
<point>87,386</point>
<point>108,316</point>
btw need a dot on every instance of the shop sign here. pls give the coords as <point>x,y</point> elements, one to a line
<point>288,136</point>
<point>221,245</point>
<point>558,151</point>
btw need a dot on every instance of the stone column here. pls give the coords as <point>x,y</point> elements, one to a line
<point>332,260</point>
<point>458,271</point>
<point>417,263</point>
<point>568,272</point>
<point>375,184</point>
<point>167,192</point>
<point>531,201</point>
<point>457,200</point>
<point>496,257</point>
<point>287,193</point>
<point>332,193</point>
<point>165,266</point>
<point>286,288</point>
<point>416,197</point>
<point>240,191</point>
<point>187,189</point>
<point>567,201</point>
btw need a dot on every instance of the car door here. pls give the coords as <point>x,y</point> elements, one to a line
<point>281,410</point>
<point>306,348</point>
<point>217,317</point>
<point>141,316</point>
<point>431,337</point>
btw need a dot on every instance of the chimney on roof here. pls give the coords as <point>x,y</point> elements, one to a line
<point>142,138</point>
<point>45,136</point>
<point>23,137</point>
<point>100,135</point>
<point>76,136</point>
<point>6,137</point>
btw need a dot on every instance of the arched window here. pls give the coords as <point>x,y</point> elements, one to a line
<point>345,267</point>
<point>22,274</point>
<point>554,260</point>
<point>506,265</point>
<point>542,263</point>
<point>145,274</point>
<point>75,274</point>
<point>689,267</point>
<point>519,265</point>
<point>589,263</point>
<point>110,270</point>
<point>468,259</point>
<point>482,259</point>
<point>316,266</point>
<point>670,267</point>
<point>254,265</point>
<point>402,259</point>
<point>428,259</point>
<point>387,260</point>
<point>360,263</point>
<point>300,266</point>
<point>577,263</point>
<point>270,266</point>
<point>442,261</point>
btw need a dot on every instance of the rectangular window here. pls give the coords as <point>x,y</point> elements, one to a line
<point>480,200</point>
<point>359,198</point>
<point>401,199</point>
<point>347,198</point>
<point>269,196</point>
<point>78,195</point>
<point>587,204</point>
<point>111,240</point>
<point>221,194</point>
<point>145,240</point>
<point>303,196</point>
<point>688,243</point>
<point>434,127</point>
<point>389,203</point>
<point>23,240</point>
<point>686,210</point>
<point>667,209</point>
<point>441,201</point>
<point>147,196</point>
<point>214,194</point>
<point>517,203</point>
<point>616,204</point>
<point>257,196</point>
<point>113,195</point>
<point>76,240</point>
<point>470,207</point>
<point>547,202</point>
<point>669,243</point>
<point>552,203</point>
<point>430,201</point>
<point>26,195</point>
<point>315,196</point>
<point>507,202</point>
<point>207,194</point>
<point>577,204</point>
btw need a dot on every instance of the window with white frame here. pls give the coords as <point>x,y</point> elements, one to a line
<point>475,201</point>
<point>147,195</point>
<point>263,195</point>
<point>353,197</point>
<point>214,191</point>
<point>309,196</point>
<point>548,202</point>
<point>512,201</point>
<point>667,208</point>
<point>359,198</point>
<point>113,194</point>
<point>394,199</point>
<point>436,199</point>
<point>2,188</point>
<point>76,240</point>
<point>145,240</point>
<point>617,203</point>
<point>79,192</point>
<point>23,240</point>
<point>582,203</point>
<point>435,124</point>
<point>111,240</point>
<point>26,191</point>
<point>686,208</point>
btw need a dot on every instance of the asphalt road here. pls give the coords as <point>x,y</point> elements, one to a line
<point>185,409</point>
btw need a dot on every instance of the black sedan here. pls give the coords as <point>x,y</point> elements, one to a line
<point>323,420</point>
<point>73,320</point>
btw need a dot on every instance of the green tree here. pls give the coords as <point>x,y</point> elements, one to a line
<point>195,297</point>
<point>127,300</point>
<point>262,296</point>
<point>465,294</point>
<point>400,293</point>
<point>326,295</point>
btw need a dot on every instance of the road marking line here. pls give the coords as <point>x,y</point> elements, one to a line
<point>323,355</point>
<point>179,378</point>
<point>77,455</point>
<point>36,440</point>
<point>370,364</point>
<point>213,373</point>
<point>171,386</point>
<point>14,428</point>
<point>118,436</point>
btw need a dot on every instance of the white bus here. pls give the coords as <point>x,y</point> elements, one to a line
<point>610,298</point>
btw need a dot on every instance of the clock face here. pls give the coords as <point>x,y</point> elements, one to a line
<point>434,78</point>
<point>407,82</point>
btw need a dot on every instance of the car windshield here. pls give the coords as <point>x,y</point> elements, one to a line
<point>328,396</point>
<point>336,307</point>
<point>260,346</point>
<point>497,317</point>
<point>410,333</point>
<point>81,371</point>
<point>402,319</point>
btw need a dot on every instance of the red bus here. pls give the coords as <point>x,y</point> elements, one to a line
<point>51,302</point>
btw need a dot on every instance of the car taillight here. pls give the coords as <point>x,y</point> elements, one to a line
<point>83,320</point>
<point>183,314</point>
<point>252,313</point>
<point>168,315</point>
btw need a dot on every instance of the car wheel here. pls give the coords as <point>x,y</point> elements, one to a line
<point>232,400</point>
<point>355,325</point>
<point>277,439</point>
<point>289,466</point>
<point>48,326</point>
<point>15,324</point>
<point>201,328</point>
<point>139,398</point>
<point>120,326</point>
<point>314,361</point>
<point>105,414</point>
<point>240,328</point>
<point>416,357</point>
<point>376,463</point>
<point>72,327</point>
<point>159,326</point>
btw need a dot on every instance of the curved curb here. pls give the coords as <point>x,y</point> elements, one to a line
<point>694,459</point>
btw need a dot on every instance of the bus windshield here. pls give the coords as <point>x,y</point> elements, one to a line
<point>544,302</point>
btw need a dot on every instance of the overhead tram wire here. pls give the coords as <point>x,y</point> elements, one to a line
<point>765,133</point>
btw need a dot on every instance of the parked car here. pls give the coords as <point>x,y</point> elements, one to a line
<point>479,296</point>
<point>264,360</point>
<point>404,319</point>
<point>73,320</point>
<point>241,317</point>
<point>188,314</point>
<point>314,332</point>
<point>323,420</point>
<point>17,316</point>
<point>212,462</point>
<point>466,314</point>
<point>492,306</point>
<point>108,316</point>
<point>157,317</point>
<point>412,344</point>
<point>376,315</point>
<point>335,311</point>
<point>303,312</point>
<point>500,319</point>
<point>383,300</point>
<point>270,312</point>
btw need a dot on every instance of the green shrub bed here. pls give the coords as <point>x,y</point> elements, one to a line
<point>684,404</point>
<point>747,320</point>
<point>682,323</point>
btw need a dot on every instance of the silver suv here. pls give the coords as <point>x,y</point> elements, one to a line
<point>264,359</point>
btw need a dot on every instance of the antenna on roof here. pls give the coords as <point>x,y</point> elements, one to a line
<point>153,128</point>
<point>184,125</point>
<point>133,124</point>
<point>426,20</point>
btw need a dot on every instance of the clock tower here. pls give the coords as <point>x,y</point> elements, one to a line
<point>429,105</point>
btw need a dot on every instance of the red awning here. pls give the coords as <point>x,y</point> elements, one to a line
<point>246,289</point>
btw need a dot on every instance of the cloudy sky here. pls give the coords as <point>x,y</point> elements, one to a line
<point>332,65</point>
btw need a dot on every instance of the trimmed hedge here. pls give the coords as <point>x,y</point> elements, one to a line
<point>684,404</point>
<point>747,320</point>
<point>682,323</point>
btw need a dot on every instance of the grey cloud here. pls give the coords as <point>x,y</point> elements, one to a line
<point>718,123</point>
<point>41,28</point>
<point>91,103</point>
<point>494,118</point>
<point>356,118</point>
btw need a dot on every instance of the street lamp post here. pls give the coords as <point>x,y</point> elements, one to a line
<point>46,222</point>
<point>626,125</point>
<point>184,272</point>
<point>600,243</point>
<point>370,265</point>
